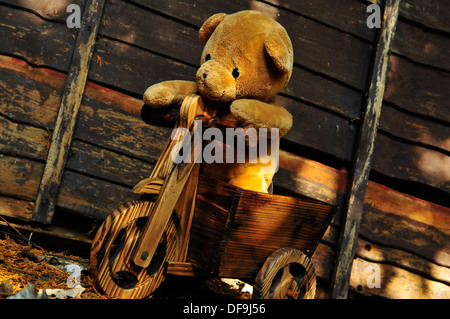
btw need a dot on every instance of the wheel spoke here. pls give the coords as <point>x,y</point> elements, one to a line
<point>287,273</point>
<point>114,273</point>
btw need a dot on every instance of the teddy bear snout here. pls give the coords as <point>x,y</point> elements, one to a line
<point>215,82</point>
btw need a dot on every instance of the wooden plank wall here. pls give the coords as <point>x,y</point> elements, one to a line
<point>143,42</point>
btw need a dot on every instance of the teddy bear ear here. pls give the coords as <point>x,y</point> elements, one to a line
<point>280,50</point>
<point>209,26</point>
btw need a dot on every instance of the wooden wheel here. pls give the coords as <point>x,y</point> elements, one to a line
<point>286,274</point>
<point>111,267</point>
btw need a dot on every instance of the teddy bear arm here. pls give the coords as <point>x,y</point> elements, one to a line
<point>168,93</point>
<point>262,115</point>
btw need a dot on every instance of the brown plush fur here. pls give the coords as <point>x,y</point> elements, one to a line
<point>246,61</point>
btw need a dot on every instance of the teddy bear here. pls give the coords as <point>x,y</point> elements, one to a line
<point>247,59</point>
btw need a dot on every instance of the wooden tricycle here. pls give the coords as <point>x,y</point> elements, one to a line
<point>186,223</point>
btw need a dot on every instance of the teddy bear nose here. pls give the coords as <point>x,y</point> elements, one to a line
<point>205,74</point>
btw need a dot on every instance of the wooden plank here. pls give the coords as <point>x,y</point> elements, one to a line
<point>324,93</point>
<point>20,177</point>
<point>412,162</point>
<point>414,128</point>
<point>310,178</point>
<point>130,23</point>
<point>333,53</point>
<point>24,34</point>
<point>107,165</point>
<point>67,114</point>
<point>403,205</point>
<point>397,283</point>
<point>54,10</point>
<point>424,240</point>
<point>432,14</point>
<point>418,88</point>
<point>313,179</point>
<point>30,95</point>
<point>400,258</point>
<point>78,193</point>
<point>132,69</point>
<point>320,130</point>
<point>107,118</point>
<point>363,155</point>
<point>429,276</point>
<point>422,45</point>
<point>90,196</point>
<point>400,227</point>
<point>17,208</point>
<point>117,131</point>
<point>346,15</point>
<point>22,139</point>
<point>194,13</point>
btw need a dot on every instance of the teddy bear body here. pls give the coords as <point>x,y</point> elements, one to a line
<point>247,59</point>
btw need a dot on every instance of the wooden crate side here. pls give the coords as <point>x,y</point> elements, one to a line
<point>263,223</point>
<point>215,202</point>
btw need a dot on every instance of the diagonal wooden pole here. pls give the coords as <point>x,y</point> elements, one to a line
<point>68,111</point>
<point>363,155</point>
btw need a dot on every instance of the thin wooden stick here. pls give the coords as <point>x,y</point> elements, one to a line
<point>363,154</point>
<point>67,114</point>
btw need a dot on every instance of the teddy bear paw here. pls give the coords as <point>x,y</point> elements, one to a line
<point>159,95</point>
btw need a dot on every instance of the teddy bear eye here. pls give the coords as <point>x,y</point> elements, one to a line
<point>207,57</point>
<point>235,73</point>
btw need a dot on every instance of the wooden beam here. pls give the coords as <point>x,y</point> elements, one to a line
<point>363,155</point>
<point>68,111</point>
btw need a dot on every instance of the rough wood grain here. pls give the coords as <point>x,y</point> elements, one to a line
<point>405,125</point>
<point>417,88</point>
<point>382,254</point>
<point>396,283</point>
<point>348,63</point>
<point>248,227</point>
<point>20,177</point>
<point>401,230</point>
<point>39,41</point>
<point>16,208</point>
<point>23,140</point>
<point>412,162</point>
<point>90,196</point>
<point>345,15</point>
<point>67,114</point>
<point>424,240</point>
<point>422,45</point>
<point>50,10</point>
<point>363,154</point>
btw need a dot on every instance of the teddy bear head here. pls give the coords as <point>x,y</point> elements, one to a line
<point>246,55</point>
